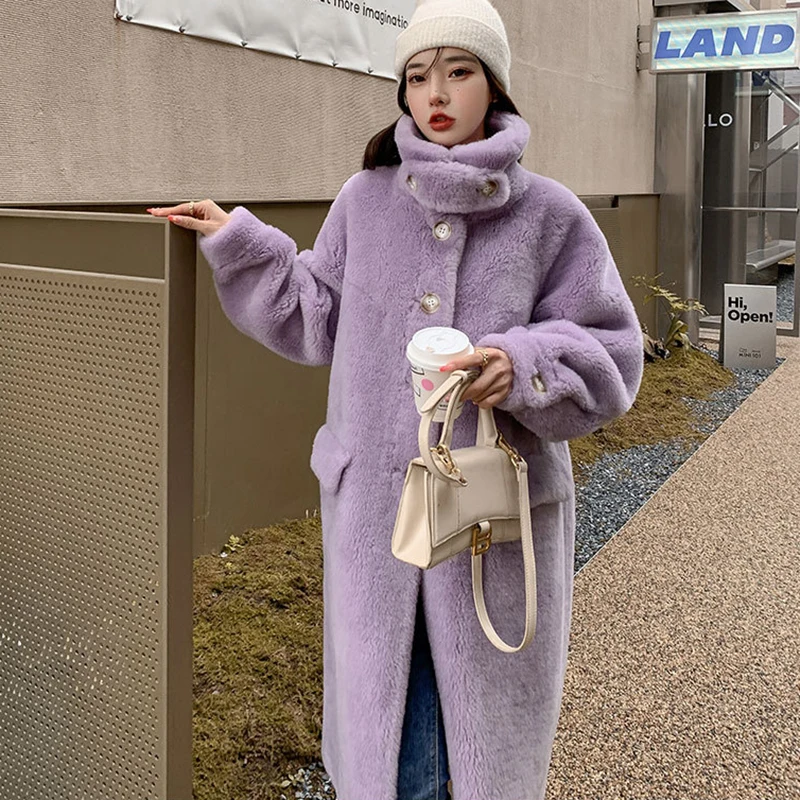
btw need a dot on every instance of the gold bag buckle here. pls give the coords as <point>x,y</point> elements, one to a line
<point>446,457</point>
<point>481,538</point>
<point>509,450</point>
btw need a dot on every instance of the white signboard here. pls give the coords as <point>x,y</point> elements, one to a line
<point>345,34</point>
<point>749,326</point>
<point>760,40</point>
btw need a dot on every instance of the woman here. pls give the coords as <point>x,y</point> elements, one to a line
<point>442,227</point>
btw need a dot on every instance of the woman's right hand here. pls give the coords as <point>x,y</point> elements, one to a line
<point>208,217</point>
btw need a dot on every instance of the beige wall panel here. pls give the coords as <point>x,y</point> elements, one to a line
<point>570,123</point>
<point>639,250</point>
<point>95,110</point>
<point>256,413</point>
<point>592,115</point>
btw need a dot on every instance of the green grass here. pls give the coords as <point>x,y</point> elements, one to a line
<point>258,614</point>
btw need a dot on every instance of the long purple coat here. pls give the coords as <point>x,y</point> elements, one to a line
<point>520,265</point>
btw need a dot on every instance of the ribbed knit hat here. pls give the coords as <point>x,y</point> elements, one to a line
<point>472,25</point>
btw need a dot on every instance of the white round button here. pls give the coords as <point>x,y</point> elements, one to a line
<point>489,189</point>
<point>430,303</point>
<point>412,183</point>
<point>442,230</point>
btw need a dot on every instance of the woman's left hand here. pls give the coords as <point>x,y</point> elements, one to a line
<point>496,378</point>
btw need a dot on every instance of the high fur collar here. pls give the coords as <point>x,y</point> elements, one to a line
<point>480,178</point>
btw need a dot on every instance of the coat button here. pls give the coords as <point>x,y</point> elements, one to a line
<point>412,183</point>
<point>430,303</point>
<point>442,230</point>
<point>489,189</point>
<point>538,383</point>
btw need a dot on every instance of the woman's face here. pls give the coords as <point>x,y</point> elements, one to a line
<point>455,91</point>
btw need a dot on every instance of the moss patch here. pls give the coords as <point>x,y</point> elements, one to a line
<point>258,614</point>
<point>658,414</point>
<point>258,662</point>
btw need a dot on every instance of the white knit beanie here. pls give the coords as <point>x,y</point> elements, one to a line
<point>472,25</point>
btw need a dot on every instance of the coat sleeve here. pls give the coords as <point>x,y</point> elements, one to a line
<point>287,301</point>
<point>578,364</point>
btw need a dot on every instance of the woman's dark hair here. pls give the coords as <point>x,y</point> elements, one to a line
<point>382,150</point>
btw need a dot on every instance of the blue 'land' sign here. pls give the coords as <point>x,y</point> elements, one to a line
<point>761,40</point>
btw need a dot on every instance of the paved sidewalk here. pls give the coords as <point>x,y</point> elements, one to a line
<point>682,681</point>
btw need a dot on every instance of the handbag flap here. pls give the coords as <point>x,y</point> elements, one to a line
<point>491,493</point>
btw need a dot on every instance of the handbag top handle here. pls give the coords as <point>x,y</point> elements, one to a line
<point>487,435</point>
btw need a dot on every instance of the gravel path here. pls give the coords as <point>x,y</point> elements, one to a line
<point>618,484</point>
<point>785,299</point>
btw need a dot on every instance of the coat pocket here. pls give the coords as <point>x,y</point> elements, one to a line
<point>329,459</point>
<point>549,478</point>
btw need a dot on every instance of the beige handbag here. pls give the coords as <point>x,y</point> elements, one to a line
<point>466,499</point>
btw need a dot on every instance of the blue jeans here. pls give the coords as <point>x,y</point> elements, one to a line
<point>423,752</point>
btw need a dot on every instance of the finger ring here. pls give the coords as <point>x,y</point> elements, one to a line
<point>485,356</point>
<point>191,208</point>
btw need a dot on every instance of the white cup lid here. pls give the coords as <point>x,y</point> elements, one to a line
<point>438,345</point>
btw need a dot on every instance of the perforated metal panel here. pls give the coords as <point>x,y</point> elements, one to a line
<point>82,520</point>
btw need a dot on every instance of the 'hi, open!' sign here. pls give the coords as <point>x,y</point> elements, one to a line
<point>749,326</point>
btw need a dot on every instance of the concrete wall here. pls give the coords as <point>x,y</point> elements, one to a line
<point>97,110</point>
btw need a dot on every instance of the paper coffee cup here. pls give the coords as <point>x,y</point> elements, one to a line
<point>428,350</point>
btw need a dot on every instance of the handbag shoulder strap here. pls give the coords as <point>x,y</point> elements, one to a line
<point>529,562</point>
<point>487,435</point>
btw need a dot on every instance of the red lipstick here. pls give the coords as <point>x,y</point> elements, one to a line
<point>440,122</point>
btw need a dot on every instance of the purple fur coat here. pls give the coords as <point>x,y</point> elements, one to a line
<point>524,268</point>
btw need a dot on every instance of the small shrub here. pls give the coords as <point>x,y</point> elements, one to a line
<point>675,306</point>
